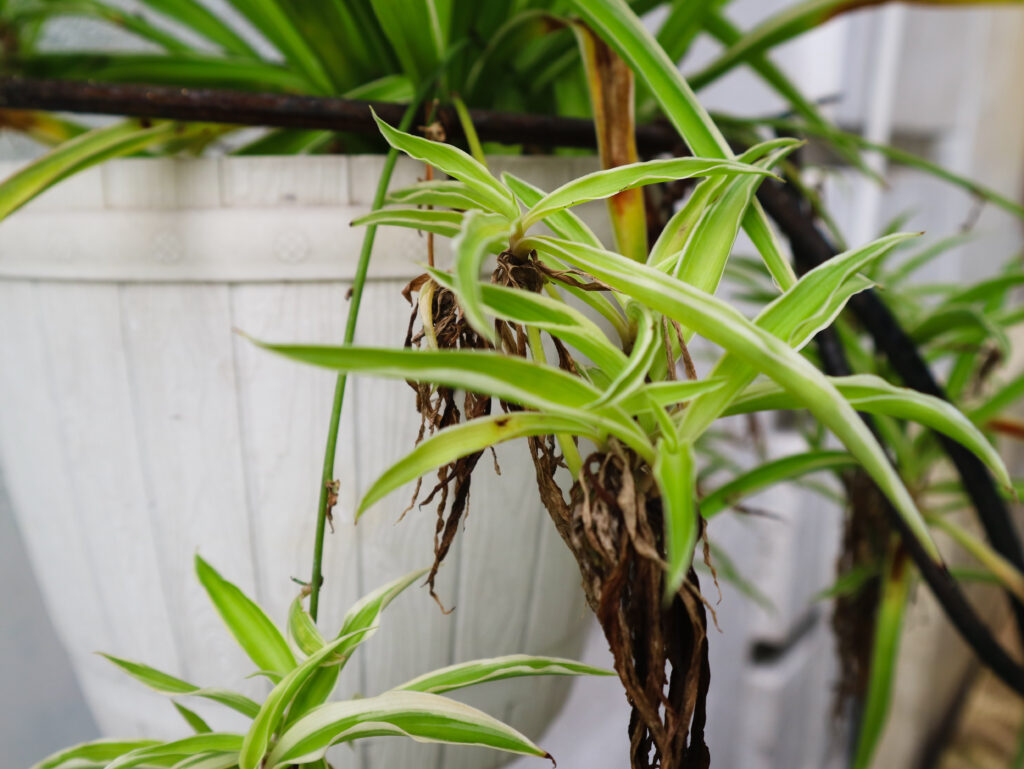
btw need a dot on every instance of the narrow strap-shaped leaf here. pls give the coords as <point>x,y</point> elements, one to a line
<point>666,394</point>
<point>197,18</point>
<point>446,193</point>
<point>97,750</point>
<point>168,684</point>
<point>480,234</point>
<point>417,31</point>
<point>725,326</point>
<point>551,315</point>
<point>193,719</point>
<point>457,164</point>
<point>873,395</point>
<point>517,380</point>
<point>302,629</point>
<point>475,672</point>
<point>564,223</point>
<point>95,10</point>
<point>214,742</point>
<point>646,347</point>
<point>1004,572</point>
<point>795,316</point>
<point>209,761</point>
<point>997,402</point>
<point>250,626</point>
<point>462,439</point>
<point>888,628</point>
<point>267,721</point>
<point>673,471</point>
<point>770,473</point>
<point>603,184</point>
<point>73,155</point>
<point>445,223</point>
<point>423,717</point>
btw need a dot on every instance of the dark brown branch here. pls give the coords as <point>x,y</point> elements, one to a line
<point>280,110</point>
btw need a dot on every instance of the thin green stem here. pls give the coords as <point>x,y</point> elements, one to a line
<point>327,475</point>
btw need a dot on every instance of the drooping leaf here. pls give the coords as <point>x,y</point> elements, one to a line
<point>873,395</point>
<point>168,684</point>
<point>97,750</point>
<point>250,626</point>
<point>193,719</point>
<point>213,742</point>
<point>475,435</point>
<point>480,234</point>
<point>423,717</point>
<point>759,349</point>
<point>445,223</point>
<point>770,473</point>
<point>476,672</point>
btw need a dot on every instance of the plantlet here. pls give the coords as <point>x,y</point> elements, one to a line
<point>296,724</point>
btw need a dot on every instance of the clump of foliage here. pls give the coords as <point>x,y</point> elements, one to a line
<point>296,724</point>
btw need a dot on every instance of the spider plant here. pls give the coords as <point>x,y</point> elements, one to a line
<point>625,427</point>
<point>296,724</point>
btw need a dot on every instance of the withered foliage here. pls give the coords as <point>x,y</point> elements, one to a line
<point>612,524</point>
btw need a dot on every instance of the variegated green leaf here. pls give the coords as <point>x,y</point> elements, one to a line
<point>457,164</point>
<point>874,395</point>
<point>603,184</point>
<point>97,750</point>
<point>475,435</point>
<point>480,234</point>
<point>510,378</point>
<point>423,717</point>
<point>564,223</point>
<point>548,314</point>
<point>209,761</point>
<point>647,345</point>
<point>667,394</point>
<point>213,742</point>
<point>168,684</point>
<point>759,349</point>
<point>445,223</point>
<point>271,714</point>
<point>446,194</point>
<point>250,626</point>
<point>496,669</point>
<point>674,473</point>
<point>302,629</point>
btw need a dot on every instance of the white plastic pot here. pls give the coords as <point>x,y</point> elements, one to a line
<point>137,429</point>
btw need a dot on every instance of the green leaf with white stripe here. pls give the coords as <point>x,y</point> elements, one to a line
<point>564,223</point>
<point>673,471</point>
<point>457,164</point>
<point>526,383</point>
<point>496,669</point>
<point>466,438</point>
<point>302,629</point>
<point>250,626</point>
<point>445,223</point>
<point>209,761</point>
<point>795,317</point>
<point>873,395</point>
<point>604,184</point>
<point>97,750</point>
<point>759,349</point>
<point>770,473</point>
<point>359,625</point>
<point>444,193</point>
<point>213,742</point>
<point>551,315</point>
<point>480,234</point>
<point>271,714</point>
<point>168,684</point>
<point>423,717</point>
<point>646,347</point>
